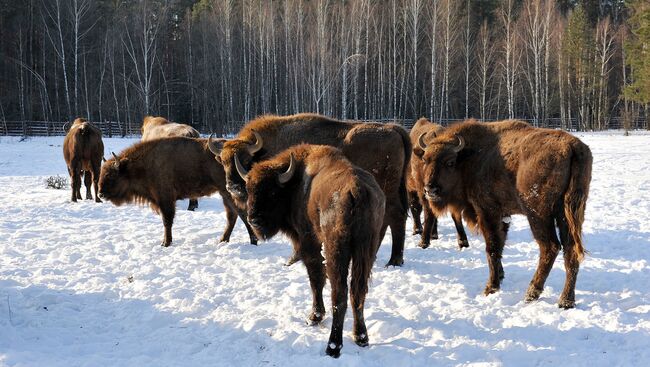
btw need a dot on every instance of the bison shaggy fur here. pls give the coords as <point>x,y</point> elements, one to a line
<point>161,171</point>
<point>160,127</point>
<point>333,212</point>
<point>493,170</point>
<point>83,151</point>
<point>384,150</point>
<point>424,130</point>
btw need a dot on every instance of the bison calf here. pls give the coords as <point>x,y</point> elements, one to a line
<point>159,172</point>
<point>83,151</point>
<point>493,170</point>
<point>422,129</point>
<point>160,127</point>
<point>333,212</point>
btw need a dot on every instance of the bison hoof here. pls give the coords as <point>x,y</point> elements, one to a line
<point>315,318</point>
<point>98,200</point>
<point>165,243</point>
<point>423,245</point>
<point>74,200</point>
<point>566,303</point>
<point>490,289</point>
<point>361,340</point>
<point>395,262</point>
<point>417,231</point>
<point>463,243</point>
<point>333,350</point>
<point>532,294</point>
<point>191,209</point>
<point>293,259</point>
<point>434,236</point>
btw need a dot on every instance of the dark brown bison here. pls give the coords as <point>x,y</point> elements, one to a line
<point>333,213</point>
<point>493,170</point>
<point>384,150</point>
<point>83,151</point>
<point>160,127</point>
<point>422,130</point>
<point>161,171</point>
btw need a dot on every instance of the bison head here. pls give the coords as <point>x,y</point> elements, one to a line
<point>237,157</point>
<point>440,173</point>
<point>269,194</point>
<point>114,181</point>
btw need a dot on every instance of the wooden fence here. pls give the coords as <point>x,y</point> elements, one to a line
<point>54,128</point>
<point>119,129</point>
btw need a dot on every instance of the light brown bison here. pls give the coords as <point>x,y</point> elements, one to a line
<point>424,129</point>
<point>161,171</point>
<point>384,150</point>
<point>333,213</point>
<point>493,170</point>
<point>160,127</point>
<point>83,151</point>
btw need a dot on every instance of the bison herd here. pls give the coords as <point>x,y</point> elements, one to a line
<point>334,187</point>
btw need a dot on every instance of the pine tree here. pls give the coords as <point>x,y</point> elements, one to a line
<point>637,50</point>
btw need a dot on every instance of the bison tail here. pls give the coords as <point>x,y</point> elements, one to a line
<point>406,141</point>
<point>364,252</point>
<point>575,198</point>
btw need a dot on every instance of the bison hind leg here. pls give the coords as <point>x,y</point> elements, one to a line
<point>193,205</point>
<point>549,246</point>
<point>88,181</point>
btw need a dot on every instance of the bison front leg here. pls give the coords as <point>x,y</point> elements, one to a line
<point>96,172</point>
<point>396,218</point>
<point>231,219</point>
<point>460,230</point>
<point>416,209</point>
<point>430,227</point>
<point>167,211</point>
<point>338,261</point>
<point>494,242</point>
<point>316,272</point>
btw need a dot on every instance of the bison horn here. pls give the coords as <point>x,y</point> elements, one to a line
<point>283,178</point>
<point>212,145</point>
<point>254,148</point>
<point>421,142</point>
<point>461,144</point>
<point>117,160</point>
<point>240,168</point>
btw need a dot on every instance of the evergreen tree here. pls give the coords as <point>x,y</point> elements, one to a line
<point>637,50</point>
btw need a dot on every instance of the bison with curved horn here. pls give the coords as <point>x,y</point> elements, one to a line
<point>83,150</point>
<point>159,128</point>
<point>493,170</point>
<point>422,130</point>
<point>161,171</point>
<point>333,213</point>
<point>384,150</point>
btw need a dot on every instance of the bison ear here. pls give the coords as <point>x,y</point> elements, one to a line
<point>103,160</point>
<point>419,152</point>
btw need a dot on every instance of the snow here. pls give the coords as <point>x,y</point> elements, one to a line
<point>87,284</point>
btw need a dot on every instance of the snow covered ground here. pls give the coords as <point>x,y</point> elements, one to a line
<point>87,284</point>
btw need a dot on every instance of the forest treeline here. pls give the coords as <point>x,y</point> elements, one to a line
<point>216,63</point>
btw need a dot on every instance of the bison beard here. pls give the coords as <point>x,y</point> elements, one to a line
<point>493,170</point>
<point>424,129</point>
<point>329,207</point>
<point>384,150</point>
<point>159,172</point>
<point>83,151</point>
<point>160,127</point>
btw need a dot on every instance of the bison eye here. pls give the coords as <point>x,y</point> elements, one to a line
<point>450,164</point>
